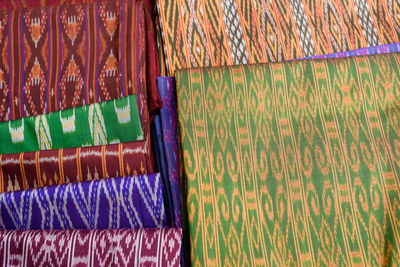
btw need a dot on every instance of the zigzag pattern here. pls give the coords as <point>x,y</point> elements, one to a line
<point>129,202</point>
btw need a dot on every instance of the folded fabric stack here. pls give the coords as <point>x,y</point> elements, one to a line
<point>285,163</point>
<point>78,181</point>
<point>268,130</point>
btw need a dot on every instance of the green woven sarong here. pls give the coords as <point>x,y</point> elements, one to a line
<point>293,163</point>
<point>95,124</point>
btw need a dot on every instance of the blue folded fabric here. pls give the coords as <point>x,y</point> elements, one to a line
<point>126,202</point>
<point>169,127</point>
<point>157,140</point>
<point>373,50</point>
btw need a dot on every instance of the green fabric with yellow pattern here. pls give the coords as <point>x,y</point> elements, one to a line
<point>102,123</point>
<point>293,163</point>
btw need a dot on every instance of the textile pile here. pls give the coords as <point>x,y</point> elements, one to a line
<point>205,133</point>
<point>309,150</point>
<point>286,163</point>
<point>78,179</point>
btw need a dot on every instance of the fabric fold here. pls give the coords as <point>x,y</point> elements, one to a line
<point>81,54</point>
<point>281,159</point>
<point>122,247</point>
<point>148,64</point>
<point>157,138</point>
<point>59,166</point>
<point>373,50</point>
<point>67,56</point>
<point>127,202</point>
<point>102,123</point>
<point>166,138</point>
<point>232,32</point>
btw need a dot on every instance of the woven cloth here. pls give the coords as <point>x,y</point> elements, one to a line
<point>134,51</point>
<point>166,131</point>
<point>51,167</point>
<point>226,32</point>
<point>96,124</point>
<point>13,4</point>
<point>159,153</point>
<point>128,202</point>
<point>379,49</point>
<point>107,63</point>
<point>128,20</point>
<point>122,247</point>
<point>169,159</point>
<point>292,163</point>
<point>66,56</point>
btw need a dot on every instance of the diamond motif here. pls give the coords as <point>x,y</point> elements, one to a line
<point>365,20</point>
<point>234,32</point>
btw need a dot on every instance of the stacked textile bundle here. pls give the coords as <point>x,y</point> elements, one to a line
<point>77,176</point>
<point>276,136</point>
<point>287,163</point>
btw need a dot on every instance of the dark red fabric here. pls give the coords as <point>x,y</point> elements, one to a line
<point>153,70</point>
<point>67,56</point>
<point>59,166</point>
<point>41,52</point>
<point>153,67</point>
<point>120,247</point>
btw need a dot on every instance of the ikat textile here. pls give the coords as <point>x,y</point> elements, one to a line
<point>96,124</point>
<point>148,41</point>
<point>229,32</point>
<point>292,163</point>
<point>13,4</point>
<point>122,247</point>
<point>128,202</point>
<point>168,131</point>
<point>62,57</point>
<point>59,166</point>
<point>169,161</point>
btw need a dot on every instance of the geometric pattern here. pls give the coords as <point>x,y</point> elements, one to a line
<point>66,56</point>
<point>72,59</point>
<point>18,4</point>
<point>34,79</point>
<point>95,124</point>
<point>306,42</point>
<point>365,20</point>
<point>236,41</point>
<point>60,166</point>
<point>292,163</point>
<point>134,58</point>
<point>119,247</point>
<point>270,31</point>
<point>128,202</point>
<point>147,53</point>
<point>108,75</point>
